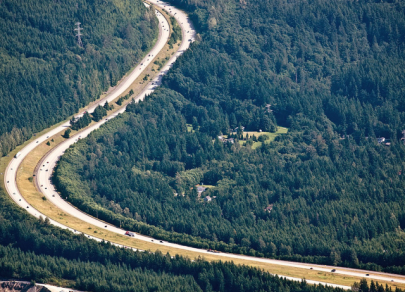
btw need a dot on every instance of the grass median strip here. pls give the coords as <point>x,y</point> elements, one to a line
<point>35,198</point>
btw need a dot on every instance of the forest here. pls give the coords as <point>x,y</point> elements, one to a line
<point>45,76</point>
<point>329,191</point>
<point>32,249</point>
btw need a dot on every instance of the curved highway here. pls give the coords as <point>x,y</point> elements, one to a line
<point>49,161</point>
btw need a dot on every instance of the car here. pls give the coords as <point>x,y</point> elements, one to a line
<point>20,200</point>
<point>47,162</point>
<point>106,119</point>
<point>53,195</point>
<point>161,241</point>
<point>45,188</point>
<point>27,207</point>
<point>105,226</point>
<point>42,185</point>
<point>47,136</point>
<point>367,275</point>
<point>334,270</point>
<point>37,141</point>
<point>152,240</point>
<point>13,193</point>
<point>311,268</point>
<point>46,170</point>
<point>8,181</point>
<point>130,234</point>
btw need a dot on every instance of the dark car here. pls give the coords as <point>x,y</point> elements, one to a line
<point>334,270</point>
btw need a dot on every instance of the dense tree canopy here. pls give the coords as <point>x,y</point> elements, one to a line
<point>45,76</point>
<point>31,249</point>
<point>327,192</point>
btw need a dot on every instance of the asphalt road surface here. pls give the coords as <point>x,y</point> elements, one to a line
<point>44,172</point>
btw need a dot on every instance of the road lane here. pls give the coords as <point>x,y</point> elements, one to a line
<point>50,160</point>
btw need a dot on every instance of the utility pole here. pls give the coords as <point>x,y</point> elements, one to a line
<point>79,39</point>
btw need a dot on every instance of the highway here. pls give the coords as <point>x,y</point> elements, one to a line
<point>45,170</point>
<point>50,287</point>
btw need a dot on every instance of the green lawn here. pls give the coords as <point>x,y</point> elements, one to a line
<point>272,136</point>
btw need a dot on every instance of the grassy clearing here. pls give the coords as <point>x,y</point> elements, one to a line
<point>271,137</point>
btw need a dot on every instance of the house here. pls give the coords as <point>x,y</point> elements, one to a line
<point>200,189</point>
<point>381,140</point>
<point>224,140</point>
<point>207,199</point>
<point>236,129</point>
<point>268,208</point>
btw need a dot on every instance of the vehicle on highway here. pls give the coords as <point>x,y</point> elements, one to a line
<point>334,270</point>
<point>18,154</point>
<point>130,234</point>
<point>161,241</point>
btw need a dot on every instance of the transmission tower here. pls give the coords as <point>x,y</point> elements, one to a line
<point>79,39</point>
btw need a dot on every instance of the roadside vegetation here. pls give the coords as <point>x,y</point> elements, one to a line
<point>325,192</point>
<point>45,77</point>
<point>36,251</point>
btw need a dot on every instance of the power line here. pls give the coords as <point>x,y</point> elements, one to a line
<point>79,34</point>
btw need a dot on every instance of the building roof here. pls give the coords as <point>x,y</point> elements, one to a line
<point>200,189</point>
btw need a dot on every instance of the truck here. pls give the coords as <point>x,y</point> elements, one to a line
<point>130,234</point>
<point>18,154</point>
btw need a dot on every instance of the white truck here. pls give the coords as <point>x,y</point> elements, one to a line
<point>18,154</point>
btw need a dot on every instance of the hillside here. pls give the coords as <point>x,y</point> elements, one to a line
<point>326,192</point>
<point>45,76</point>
